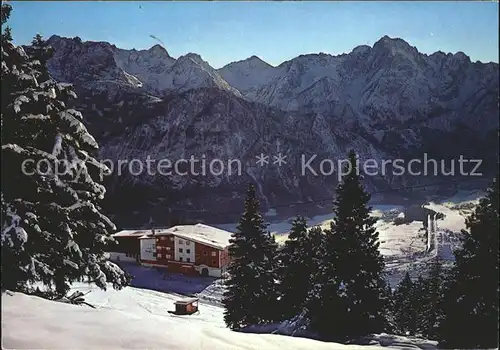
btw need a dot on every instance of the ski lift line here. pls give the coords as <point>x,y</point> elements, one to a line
<point>331,198</point>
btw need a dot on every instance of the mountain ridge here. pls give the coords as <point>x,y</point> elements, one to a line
<point>356,48</point>
<point>387,101</point>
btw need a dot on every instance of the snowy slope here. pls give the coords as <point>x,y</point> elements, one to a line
<point>130,319</point>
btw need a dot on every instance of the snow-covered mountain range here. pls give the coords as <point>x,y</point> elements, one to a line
<point>387,101</point>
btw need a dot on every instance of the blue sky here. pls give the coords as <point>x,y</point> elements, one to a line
<point>223,32</point>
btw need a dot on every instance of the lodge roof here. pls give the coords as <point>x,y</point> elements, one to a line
<point>199,233</point>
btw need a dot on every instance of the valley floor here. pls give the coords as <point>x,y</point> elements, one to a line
<point>404,247</point>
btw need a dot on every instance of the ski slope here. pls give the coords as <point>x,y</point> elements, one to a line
<point>139,319</point>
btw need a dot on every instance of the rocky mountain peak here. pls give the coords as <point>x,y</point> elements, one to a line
<point>158,50</point>
<point>361,49</point>
<point>256,61</point>
<point>394,46</point>
<point>252,62</point>
<point>461,57</point>
<point>193,57</point>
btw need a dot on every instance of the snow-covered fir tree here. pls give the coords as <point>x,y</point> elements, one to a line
<point>320,270</point>
<point>324,293</point>
<point>251,294</point>
<point>296,267</point>
<point>349,295</point>
<point>430,295</point>
<point>40,51</point>
<point>275,312</point>
<point>315,245</point>
<point>471,298</point>
<point>417,306</point>
<point>53,230</point>
<point>5,14</point>
<point>404,307</point>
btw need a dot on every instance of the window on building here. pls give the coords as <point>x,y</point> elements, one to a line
<point>205,253</point>
<point>181,241</point>
<point>188,242</point>
<point>188,260</point>
<point>171,238</point>
<point>159,255</point>
<point>168,256</point>
<point>154,254</point>
<point>180,258</point>
<point>214,254</point>
<point>168,248</point>
<point>188,251</point>
<point>163,238</point>
<point>180,250</point>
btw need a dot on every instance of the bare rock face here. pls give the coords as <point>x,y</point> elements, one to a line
<point>387,101</point>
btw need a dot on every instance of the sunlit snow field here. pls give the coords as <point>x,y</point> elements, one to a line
<point>138,319</point>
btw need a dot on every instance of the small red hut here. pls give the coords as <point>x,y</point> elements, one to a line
<point>186,306</point>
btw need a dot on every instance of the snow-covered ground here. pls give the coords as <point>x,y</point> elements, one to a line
<point>138,319</point>
<point>401,240</point>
